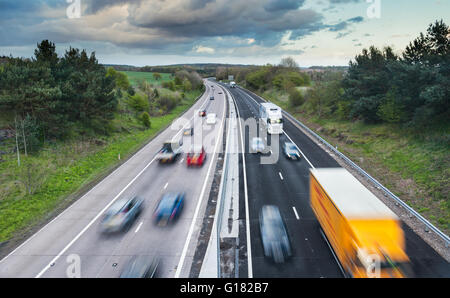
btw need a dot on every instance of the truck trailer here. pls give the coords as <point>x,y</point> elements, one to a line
<point>364,235</point>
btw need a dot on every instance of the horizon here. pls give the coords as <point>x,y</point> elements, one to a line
<point>154,33</point>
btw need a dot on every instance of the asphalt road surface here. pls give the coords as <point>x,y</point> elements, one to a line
<point>52,251</point>
<point>286,185</point>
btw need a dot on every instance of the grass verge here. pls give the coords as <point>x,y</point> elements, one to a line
<point>44,181</point>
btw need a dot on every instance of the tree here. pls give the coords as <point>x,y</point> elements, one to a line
<point>46,53</point>
<point>145,118</point>
<point>432,48</point>
<point>289,62</point>
<point>120,79</point>
<point>157,76</point>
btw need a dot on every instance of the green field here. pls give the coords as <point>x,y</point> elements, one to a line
<point>62,170</point>
<point>135,76</point>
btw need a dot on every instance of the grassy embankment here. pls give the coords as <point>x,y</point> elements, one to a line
<point>62,169</point>
<point>413,165</point>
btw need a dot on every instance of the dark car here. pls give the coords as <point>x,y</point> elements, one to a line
<point>220,92</point>
<point>170,151</point>
<point>211,98</point>
<point>273,234</point>
<point>291,151</point>
<point>169,208</point>
<point>121,215</point>
<point>140,267</point>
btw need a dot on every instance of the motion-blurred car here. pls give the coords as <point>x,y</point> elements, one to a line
<point>169,208</point>
<point>211,98</point>
<point>140,267</point>
<point>202,113</point>
<point>169,152</point>
<point>211,119</point>
<point>220,92</point>
<point>196,157</point>
<point>188,131</point>
<point>273,234</point>
<point>121,215</point>
<point>291,151</point>
<point>258,145</point>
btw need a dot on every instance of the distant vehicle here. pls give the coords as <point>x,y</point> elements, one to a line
<point>357,225</point>
<point>211,119</point>
<point>169,152</point>
<point>258,145</point>
<point>188,131</point>
<point>291,151</point>
<point>232,84</point>
<point>196,156</point>
<point>202,113</point>
<point>272,118</point>
<point>169,208</point>
<point>121,215</point>
<point>140,267</point>
<point>211,98</point>
<point>220,92</point>
<point>274,236</point>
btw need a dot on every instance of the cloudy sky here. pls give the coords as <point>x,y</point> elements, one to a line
<point>160,32</point>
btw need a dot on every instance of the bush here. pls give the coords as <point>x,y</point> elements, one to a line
<point>296,98</point>
<point>30,130</point>
<point>169,85</point>
<point>138,102</point>
<point>168,102</point>
<point>131,91</point>
<point>145,119</point>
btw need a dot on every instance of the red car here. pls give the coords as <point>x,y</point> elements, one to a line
<point>202,113</point>
<point>196,157</point>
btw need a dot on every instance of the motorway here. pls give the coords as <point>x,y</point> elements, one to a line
<point>286,185</point>
<point>75,234</point>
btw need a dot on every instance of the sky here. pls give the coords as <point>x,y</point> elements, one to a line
<point>164,32</point>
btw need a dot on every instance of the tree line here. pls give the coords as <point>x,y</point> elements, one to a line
<point>380,86</point>
<point>52,95</point>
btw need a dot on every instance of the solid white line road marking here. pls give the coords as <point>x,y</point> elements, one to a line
<point>92,222</point>
<point>281,176</point>
<point>299,149</point>
<point>94,219</point>
<point>247,212</point>
<point>67,209</point>
<point>139,227</point>
<point>197,208</point>
<point>167,184</point>
<point>181,161</point>
<point>296,214</point>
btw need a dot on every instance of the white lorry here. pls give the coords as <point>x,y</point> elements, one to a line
<point>272,117</point>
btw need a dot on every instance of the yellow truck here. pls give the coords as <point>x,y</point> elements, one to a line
<point>364,234</point>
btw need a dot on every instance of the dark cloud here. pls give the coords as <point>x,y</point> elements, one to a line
<point>169,26</point>
<point>277,5</point>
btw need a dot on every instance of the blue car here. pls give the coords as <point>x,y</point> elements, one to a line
<point>121,215</point>
<point>169,208</point>
<point>274,235</point>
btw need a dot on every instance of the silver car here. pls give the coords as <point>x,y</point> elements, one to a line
<point>274,236</point>
<point>291,151</point>
<point>258,145</point>
<point>121,215</point>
